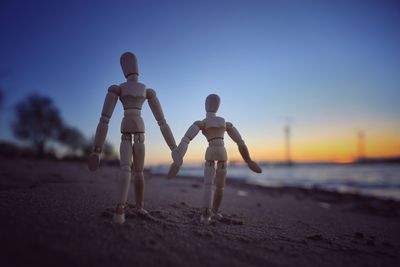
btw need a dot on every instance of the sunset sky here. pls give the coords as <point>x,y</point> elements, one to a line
<point>332,67</point>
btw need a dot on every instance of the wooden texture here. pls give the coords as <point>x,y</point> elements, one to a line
<point>125,169</point>
<point>209,173</point>
<point>212,103</point>
<point>132,95</point>
<point>129,64</point>
<point>156,109</point>
<point>213,128</point>
<point>219,185</point>
<point>244,152</point>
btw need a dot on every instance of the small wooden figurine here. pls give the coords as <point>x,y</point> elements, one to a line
<point>132,94</point>
<point>213,128</point>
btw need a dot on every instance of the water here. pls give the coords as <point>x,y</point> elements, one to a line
<point>381,180</point>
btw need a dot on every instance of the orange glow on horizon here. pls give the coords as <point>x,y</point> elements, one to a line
<point>330,149</point>
<point>327,149</point>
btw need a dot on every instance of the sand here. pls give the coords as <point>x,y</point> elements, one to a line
<point>59,214</point>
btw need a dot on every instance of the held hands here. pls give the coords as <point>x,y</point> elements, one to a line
<point>254,166</point>
<point>175,166</point>
<point>94,161</point>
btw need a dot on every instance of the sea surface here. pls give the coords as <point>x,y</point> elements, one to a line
<point>381,180</point>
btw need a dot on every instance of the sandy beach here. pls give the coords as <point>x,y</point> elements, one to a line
<point>59,214</point>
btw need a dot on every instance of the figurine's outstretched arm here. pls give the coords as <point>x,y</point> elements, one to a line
<point>191,133</point>
<point>244,152</point>
<point>180,151</point>
<point>102,128</point>
<point>159,115</point>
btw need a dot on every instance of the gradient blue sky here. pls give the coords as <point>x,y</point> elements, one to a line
<point>332,66</point>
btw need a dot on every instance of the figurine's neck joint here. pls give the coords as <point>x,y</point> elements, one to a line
<point>210,114</point>
<point>132,77</point>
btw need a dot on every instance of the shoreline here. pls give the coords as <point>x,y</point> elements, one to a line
<point>381,181</point>
<point>383,206</point>
<point>287,188</point>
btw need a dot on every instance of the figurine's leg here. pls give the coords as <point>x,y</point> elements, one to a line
<point>124,177</point>
<point>219,187</point>
<point>138,166</point>
<point>209,173</point>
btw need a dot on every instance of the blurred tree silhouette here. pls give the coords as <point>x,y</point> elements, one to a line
<point>73,139</point>
<point>38,121</point>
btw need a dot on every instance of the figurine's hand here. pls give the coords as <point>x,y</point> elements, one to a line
<point>178,160</point>
<point>94,161</point>
<point>254,166</point>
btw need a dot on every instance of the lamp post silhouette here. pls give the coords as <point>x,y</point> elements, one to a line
<point>287,132</point>
<point>361,145</point>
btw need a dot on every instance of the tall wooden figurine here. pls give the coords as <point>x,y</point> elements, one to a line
<point>213,128</point>
<point>132,94</point>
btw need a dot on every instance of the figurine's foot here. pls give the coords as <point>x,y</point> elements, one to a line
<point>216,214</point>
<point>119,218</point>
<point>119,215</point>
<point>205,217</point>
<point>140,210</point>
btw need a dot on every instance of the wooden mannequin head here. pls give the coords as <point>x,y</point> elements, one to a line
<point>212,103</point>
<point>129,64</point>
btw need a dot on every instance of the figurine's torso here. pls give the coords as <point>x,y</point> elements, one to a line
<point>213,129</point>
<point>132,97</point>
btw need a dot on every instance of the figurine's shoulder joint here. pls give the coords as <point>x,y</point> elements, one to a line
<point>150,93</point>
<point>114,89</point>
<point>228,125</point>
<point>199,124</point>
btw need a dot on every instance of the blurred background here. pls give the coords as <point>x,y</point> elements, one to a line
<point>313,86</point>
